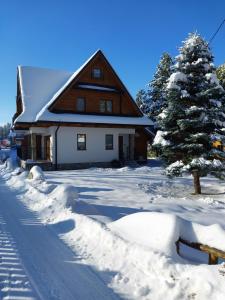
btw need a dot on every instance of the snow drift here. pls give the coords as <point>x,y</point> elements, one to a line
<point>65,195</point>
<point>36,173</point>
<point>160,231</point>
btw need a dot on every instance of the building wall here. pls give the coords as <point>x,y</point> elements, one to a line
<point>95,144</point>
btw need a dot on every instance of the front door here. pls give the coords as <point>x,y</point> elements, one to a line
<point>121,156</point>
<point>47,147</point>
<point>38,147</point>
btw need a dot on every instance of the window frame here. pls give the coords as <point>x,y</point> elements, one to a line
<point>112,144</point>
<point>84,99</point>
<point>93,74</point>
<point>85,141</point>
<point>106,106</point>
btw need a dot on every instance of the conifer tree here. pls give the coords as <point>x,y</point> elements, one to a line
<point>157,86</point>
<point>194,115</point>
<point>142,101</point>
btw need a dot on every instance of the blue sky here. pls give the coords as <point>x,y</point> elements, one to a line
<point>132,34</point>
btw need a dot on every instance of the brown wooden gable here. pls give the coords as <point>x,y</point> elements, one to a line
<point>122,102</point>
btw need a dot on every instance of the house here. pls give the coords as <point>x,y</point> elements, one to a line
<point>75,120</point>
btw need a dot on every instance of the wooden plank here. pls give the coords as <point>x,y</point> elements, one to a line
<point>213,260</point>
<point>214,253</point>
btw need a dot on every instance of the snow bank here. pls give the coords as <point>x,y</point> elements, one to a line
<point>160,231</point>
<point>65,195</point>
<point>153,230</point>
<point>36,173</point>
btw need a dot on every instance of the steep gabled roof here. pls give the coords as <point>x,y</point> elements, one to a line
<point>40,88</point>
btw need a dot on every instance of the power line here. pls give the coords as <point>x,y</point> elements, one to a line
<point>218,29</point>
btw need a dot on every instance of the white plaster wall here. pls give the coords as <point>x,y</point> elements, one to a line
<point>39,130</point>
<point>95,144</point>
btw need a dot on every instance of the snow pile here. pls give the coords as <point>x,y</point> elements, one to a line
<point>17,171</point>
<point>36,173</point>
<point>65,195</point>
<point>160,231</point>
<point>153,230</point>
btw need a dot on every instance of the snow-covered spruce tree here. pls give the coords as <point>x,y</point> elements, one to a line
<point>142,101</point>
<point>157,86</point>
<point>194,117</point>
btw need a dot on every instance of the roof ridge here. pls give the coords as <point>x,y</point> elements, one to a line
<point>72,77</point>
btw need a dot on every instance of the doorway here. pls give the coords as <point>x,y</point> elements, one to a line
<point>38,147</point>
<point>47,147</point>
<point>121,155</point>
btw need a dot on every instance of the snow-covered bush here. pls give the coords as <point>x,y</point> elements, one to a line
<point>36,173</point>
<point>65,195</point>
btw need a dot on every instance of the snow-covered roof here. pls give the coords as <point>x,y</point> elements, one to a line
<point>40,87</point>
<point>64,86</point>
<point>99,119</point>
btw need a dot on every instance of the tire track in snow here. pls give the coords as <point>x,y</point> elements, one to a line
<point>14,283</point>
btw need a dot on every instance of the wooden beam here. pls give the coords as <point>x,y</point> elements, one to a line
<point>213,253</point>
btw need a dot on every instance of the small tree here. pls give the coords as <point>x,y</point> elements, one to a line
<point>194,115</point>
<point>157,86</point>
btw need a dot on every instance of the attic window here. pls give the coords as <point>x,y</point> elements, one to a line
<point>96,73</point>
<point>80,105</point>
<point>105,106</point>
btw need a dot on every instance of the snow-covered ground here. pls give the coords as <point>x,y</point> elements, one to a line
<point>124,223</point>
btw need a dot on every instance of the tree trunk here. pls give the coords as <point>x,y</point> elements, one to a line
<point>197,185</point>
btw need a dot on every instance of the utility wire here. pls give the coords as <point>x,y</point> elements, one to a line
<point>218,29</point>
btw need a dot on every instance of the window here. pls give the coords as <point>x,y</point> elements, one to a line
<point>96,73</point>
<point>106,106</point>
<point>81,142</point>
<point>109,142</point>
<point>80,104</point>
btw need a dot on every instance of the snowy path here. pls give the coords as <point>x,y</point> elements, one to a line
<point>35,264</point>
